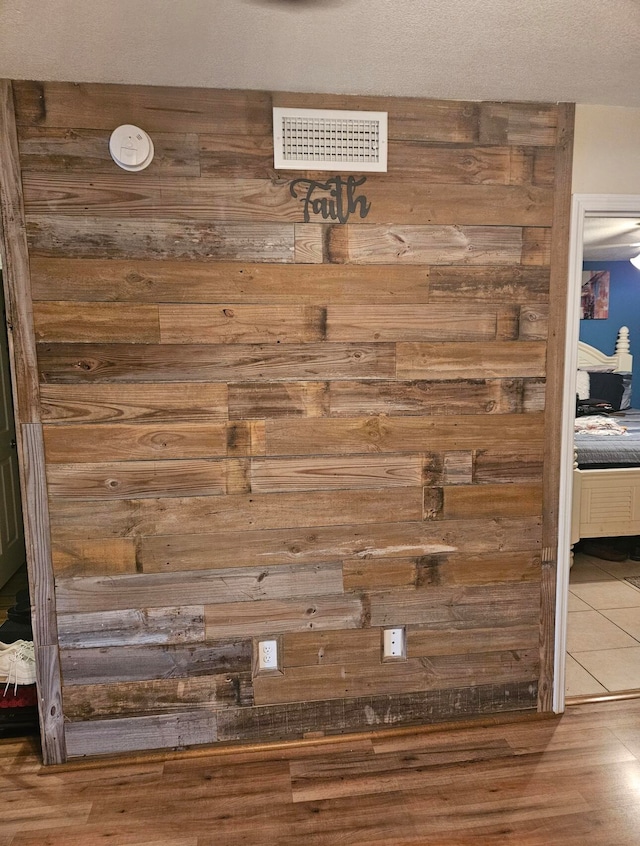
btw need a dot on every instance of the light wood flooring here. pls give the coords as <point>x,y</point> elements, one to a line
<point>539,782</point>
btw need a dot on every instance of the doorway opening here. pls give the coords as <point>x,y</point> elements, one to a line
<point>592,583</point>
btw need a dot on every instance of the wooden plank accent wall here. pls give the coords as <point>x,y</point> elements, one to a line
<point>259,426</point>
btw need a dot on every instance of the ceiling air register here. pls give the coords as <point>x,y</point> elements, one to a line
<point>327,139</point>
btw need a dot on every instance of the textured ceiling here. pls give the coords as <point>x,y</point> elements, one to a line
<point>582,51</point>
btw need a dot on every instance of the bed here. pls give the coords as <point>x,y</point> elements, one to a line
<point>606,484</point>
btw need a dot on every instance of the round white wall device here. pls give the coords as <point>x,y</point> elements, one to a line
<point>130,147</point>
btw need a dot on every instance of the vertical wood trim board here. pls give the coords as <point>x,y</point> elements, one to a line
<point>22,352</point>
<point>246,422</point>
<point>553,426</point>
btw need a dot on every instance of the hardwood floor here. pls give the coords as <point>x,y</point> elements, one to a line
<point>569,780</point>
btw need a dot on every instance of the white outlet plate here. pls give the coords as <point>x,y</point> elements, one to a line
<point>268,655</point>
<point>394,643</point>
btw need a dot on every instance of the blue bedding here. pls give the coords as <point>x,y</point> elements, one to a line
<point>604,451</point>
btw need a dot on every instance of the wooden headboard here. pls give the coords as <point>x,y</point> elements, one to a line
<point>621,360</point>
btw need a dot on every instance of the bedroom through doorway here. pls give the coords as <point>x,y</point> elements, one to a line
<point>601,610</point>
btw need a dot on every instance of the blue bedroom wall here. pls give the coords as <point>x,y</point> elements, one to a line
<point>624,310</point>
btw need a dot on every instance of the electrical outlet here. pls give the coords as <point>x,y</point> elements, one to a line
<point>394,643</point>
<point>267,654</point>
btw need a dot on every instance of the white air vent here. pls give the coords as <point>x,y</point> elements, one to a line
<point>323,139</point>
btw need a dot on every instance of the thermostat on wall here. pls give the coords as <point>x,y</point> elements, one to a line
<point>130,147</point>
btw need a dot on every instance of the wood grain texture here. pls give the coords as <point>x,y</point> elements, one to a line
<point>519,781</point>
<point>223,586</point>
<point>434,673</point>
<point>553,424</point>
<point>260,424</point>
<point>505,359</point>
<point>183,624</point>
<point>103,322</point>
<point>432,245</point>
<point>86,151</point>
<point>82,363</point>
<point>136,479</point>
<point>77,520</point>
<point>374,540</point>
<point>101,665</point>
<point>269,200</point>
<point>136,403</point>
<point>162,696</point>
<point>170,281</point>
<point>93,557</point>
<point>400,434</point>
<point>84,237</point>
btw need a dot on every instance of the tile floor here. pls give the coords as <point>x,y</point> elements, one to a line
<point>603,635</point>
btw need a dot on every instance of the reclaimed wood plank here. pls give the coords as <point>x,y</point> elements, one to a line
<point>423,642</point>
<point>100,237</point>
<point>232,324</point>
<point>411,244</point>
<point>137,403</point>
<point>421,397</point>
<point>497,359</point>
<point>93,557</point>
<point>374,712</point>
<point>494,465</point>
<point>128,734</point>
<point>536,246</point>
<point>534,322</point>
<point>15,262</point>
<point>510,500</point>
<point>458,607</point>
<point>345,646</point>
<point>272,616</point>
<point>76,363</point>
<point>374,540</point>
<point>96,322</point>
<point>223,586</point>
<point>294,436</point>
<point>492,284</point>
<point>162,696</point>
<point>157,696</point>
<point>105,665</point>
<point>449,568</point>
<point>268,200</point>
<point>170,281</point>
<point>248,400</point>
<point>159,109</point>
<point>49,149</point>
<point>252,156</point>
<point>131,627</point>
<point>559,259</point>
<point>74,520</point>
<point>90,442</point>
<point>137,479</point>
<point>42,594</point>
<point>328,681</point>
<point>518,123</point>
<point>308,474</point>
<point>410,323</point>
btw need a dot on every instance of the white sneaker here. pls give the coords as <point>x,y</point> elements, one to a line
<point>17,663</point>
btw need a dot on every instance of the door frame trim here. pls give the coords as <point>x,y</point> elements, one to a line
<point>582,206</point>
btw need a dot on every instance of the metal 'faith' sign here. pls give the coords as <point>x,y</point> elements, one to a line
<point>335,199</point>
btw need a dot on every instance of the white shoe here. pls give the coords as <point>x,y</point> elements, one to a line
<point>17,663</point>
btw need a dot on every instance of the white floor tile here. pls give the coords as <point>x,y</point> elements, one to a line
<point>608,594</point>
<point>616,669</point>
<point>627,618</point>
<point>576,604</point>
<point>590,630</point>
<point>578,682</point>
